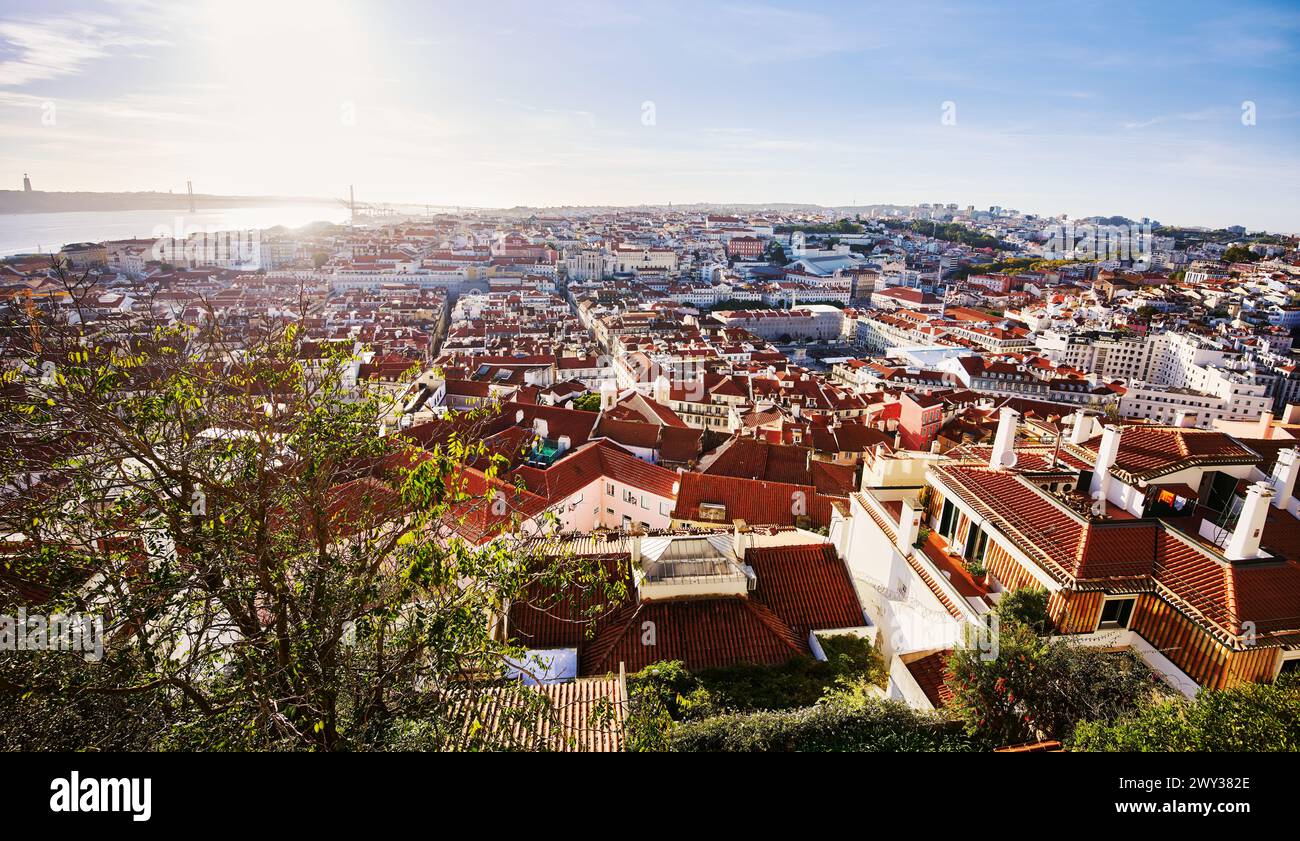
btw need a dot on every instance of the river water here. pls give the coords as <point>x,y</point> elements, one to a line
<point>47,232</point>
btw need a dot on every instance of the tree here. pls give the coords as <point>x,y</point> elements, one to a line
<point>1025,605</point>
<point>589,402</point>
<point>1250,717</point>
<point>1240,254</point>
<point>272,572</point>
<point>1036,688</point>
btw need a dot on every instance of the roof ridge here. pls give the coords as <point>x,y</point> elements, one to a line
<point>609,636</point>
<point>773,622</point>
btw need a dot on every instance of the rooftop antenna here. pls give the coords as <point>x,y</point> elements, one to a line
<point>189,188</point>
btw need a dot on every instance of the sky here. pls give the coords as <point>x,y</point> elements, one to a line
<point>1183,112</point>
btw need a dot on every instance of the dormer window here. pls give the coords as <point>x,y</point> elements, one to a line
<point>1115,613</point>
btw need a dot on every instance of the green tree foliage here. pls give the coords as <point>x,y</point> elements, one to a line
<point>273,572</point>
<point>1251,717</point>
<point>1011,265</point>
<point>1240,254</point>
<point>836,724</point>
<point>1026,606</point>
<point>842,226</point>
<point>589,402</point>
<point>949,232</point>
<point>666,693</point>
<point>1035,688</point>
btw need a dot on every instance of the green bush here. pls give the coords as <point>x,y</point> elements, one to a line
<point>873,725</point>
<point>666,693</point>
<point>1251,717</point>
<point>1035,689</point>
<point>1026,605</point>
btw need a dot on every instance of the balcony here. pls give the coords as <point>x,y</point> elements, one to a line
<point>949,563</point>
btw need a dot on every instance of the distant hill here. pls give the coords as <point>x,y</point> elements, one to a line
<point>39,201</point>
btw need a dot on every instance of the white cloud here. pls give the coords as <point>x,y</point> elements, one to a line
<point>61,46</point>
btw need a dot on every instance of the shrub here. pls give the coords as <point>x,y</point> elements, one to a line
<point>1250,717</point>
<point>1035,689</point>
<point>1026,605</point>
<point>872,725</point>
<point>666,693</point>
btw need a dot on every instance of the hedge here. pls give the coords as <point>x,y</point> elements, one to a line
<point>869,725</point>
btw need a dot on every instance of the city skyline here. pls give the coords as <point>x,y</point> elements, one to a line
<point>1189,117</point>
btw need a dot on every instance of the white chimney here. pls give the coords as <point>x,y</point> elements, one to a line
<point>1265,421</point>
<point>541,427</point>
<point>909,527</point>
<point>1106,454</point>
<point>1291,414</point>
<point>1284,476</point>
<point>1004,444</point>
<point>1082,426</point>
<point>1244,543</point>
<point>740,539</point>
<point>635,548</point>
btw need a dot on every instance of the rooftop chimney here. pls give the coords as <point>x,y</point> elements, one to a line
<point>740,539</point>
<point>635,548</point>
<point>1106,454</point>
<point>909,527</point>
<point>1082,426</point>
<point>1265,421</point>
<point>1284,475</point>
<point>1004,444</point>
<point>1291,414</point>
<point>1244,543</point>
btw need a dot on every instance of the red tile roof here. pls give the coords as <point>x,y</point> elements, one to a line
<point>755,502</point>
<point>595,460</point>
<point>1046,531</point>
<point>807,586</point>
<point>702,633</point>
<point>548,616</point>
<point>1149,451</point>
<point>752,458</point>
<point>931,674</point>
<point>1229,594</point>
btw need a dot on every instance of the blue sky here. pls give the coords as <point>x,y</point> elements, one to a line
<point>1080,108</point>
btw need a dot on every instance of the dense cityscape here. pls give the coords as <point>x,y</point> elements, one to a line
<point>781,430</point>
<point>916,381</point>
